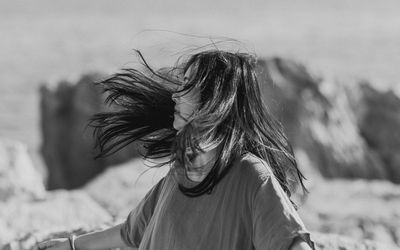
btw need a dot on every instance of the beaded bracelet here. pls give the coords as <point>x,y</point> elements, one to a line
<point>71,239</point>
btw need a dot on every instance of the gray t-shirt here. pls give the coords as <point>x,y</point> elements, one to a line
<point>247,209</point>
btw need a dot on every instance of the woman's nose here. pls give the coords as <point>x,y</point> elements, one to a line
<point>174,97</point>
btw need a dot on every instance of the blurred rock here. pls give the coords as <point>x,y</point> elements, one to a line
<point>378,118</point>
<point>59,210</point>
<point>318,118</point>
<point>340,242</point>
<point>359,209</point>
<point>332,139</point>
<point>119,189</point>
<point>18,176</point>
<point>68,145</point>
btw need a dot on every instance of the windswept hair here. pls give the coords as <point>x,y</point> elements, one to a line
<point>231,113</point>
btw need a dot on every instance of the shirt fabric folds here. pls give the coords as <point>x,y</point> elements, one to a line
<point>247,209</point>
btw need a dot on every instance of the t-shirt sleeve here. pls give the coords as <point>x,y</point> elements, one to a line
<point>133,228</point>
<point>276,223</point>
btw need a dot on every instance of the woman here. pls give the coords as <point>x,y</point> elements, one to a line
<point>230,160</point>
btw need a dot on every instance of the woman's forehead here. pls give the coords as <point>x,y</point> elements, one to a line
<point>191,69</point>
<point>186,76</point>
<point>189,73</point>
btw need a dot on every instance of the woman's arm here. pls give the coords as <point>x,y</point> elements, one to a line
<point>105,239</point>
<point>109,238</point>
<point>299,244</point>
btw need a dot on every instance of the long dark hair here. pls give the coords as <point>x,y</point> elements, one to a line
<point>231,114</point>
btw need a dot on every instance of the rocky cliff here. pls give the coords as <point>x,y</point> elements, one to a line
<point>68,146</point>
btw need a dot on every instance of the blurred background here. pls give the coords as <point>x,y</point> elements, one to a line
<point>335,62</point>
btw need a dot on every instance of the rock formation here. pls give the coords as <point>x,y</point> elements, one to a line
<point>57,210</point>
<point>359,209</point>
<point>68,144</point>
<point>378,118</point>
<point>320,118</point>
<point>18,176</point>
<point>326,241</point>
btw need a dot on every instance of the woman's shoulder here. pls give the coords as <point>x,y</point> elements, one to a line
<point>253,169</point>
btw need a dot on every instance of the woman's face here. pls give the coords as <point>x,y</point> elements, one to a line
<point>186,103</point>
